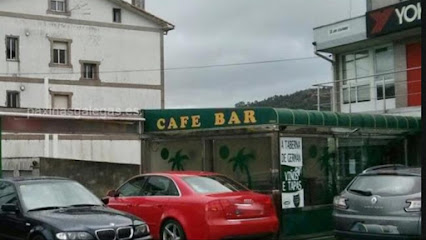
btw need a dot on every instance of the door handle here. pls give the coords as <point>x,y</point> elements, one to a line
<point>159,205</point>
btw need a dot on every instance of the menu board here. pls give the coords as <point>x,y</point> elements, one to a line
<point>291,157</point>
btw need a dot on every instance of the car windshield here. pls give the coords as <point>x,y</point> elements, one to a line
<point>389,185</point>
<point>56,194</point>
<point>213,184</point>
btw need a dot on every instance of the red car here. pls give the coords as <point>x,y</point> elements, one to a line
<point>196,205</point>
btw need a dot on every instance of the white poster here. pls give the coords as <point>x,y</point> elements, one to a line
<point>352,166</point>
<point>291,152</point>
<point>291,169</point>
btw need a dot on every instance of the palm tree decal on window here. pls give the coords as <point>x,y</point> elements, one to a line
<point>177,161</point>
<point>241,163</point>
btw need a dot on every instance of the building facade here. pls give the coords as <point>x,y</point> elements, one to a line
<point>89,55</point>
<point>376,59</point>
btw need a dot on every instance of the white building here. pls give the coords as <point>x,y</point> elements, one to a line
<point>92,51</point>
<point>79,54</point>
<point>376,58</point>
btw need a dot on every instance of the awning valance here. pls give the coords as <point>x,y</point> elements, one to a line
<point>204,119</point>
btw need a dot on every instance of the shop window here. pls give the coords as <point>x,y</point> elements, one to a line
<point>357,154</point>
<point>246,161</point>
<point>319,170</point>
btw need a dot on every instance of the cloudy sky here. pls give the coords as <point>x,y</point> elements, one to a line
<point>210,32</point>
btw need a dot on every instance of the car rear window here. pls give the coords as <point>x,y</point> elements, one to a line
<point>213,184</point>
<point>386,185</point>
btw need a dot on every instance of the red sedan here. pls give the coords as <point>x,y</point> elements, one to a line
<point>196,205</point>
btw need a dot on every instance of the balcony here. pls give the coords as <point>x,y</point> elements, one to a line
<point>395,92</point>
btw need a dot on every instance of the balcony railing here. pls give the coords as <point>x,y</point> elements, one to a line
<point>373,93</point>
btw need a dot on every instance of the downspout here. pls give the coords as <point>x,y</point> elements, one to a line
<point>46,106</point>
<point>1,158</point>
<point>333,65</point>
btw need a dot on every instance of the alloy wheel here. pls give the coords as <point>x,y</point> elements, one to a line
<point>172,231</point>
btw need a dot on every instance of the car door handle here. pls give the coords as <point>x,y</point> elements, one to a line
<point>159,205</point>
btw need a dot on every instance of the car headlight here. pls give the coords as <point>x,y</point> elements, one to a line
<point>141,228</point>
<point>74,236</point>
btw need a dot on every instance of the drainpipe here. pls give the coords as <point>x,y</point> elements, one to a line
<point>1,157</point>
<point>333,64</point>
<point>46,106</point>
<point>46,92</point>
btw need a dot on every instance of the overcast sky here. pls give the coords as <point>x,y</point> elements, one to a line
<point>232,31</point>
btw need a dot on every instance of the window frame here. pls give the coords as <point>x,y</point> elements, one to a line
<point>18,100</point>
<point>143,178</point>
<point>378,84</point>
<point>17,48</point>
<point>96,70</point>
<point>165,177</point>
<point>68,94</point>
<point>68,43</point>
<point>114,11</point>
<point>66,11</point>
<point>16,193</point>
<point>366,80</point>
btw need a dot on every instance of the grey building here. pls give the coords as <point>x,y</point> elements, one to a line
<point>376,59</point>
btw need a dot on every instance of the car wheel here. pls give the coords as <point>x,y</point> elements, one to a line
<point>172,230</point>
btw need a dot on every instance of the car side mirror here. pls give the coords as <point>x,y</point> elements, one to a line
<point>105,200</point>
<point>10,208</point>
<point>113,193</point>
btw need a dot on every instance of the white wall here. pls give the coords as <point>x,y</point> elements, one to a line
<point>118,50</point>
<point>113,151</point>
<point>86,97</point>
<point>89,10</point>
<point>115,49</point>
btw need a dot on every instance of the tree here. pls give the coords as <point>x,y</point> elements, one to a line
<point>177,161</point>
<point>241,163</point>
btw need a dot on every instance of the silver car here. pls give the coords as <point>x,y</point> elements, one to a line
<point>383,202</point>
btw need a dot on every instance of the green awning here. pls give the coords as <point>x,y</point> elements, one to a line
<point>220,118</point>
<point>347,120</point>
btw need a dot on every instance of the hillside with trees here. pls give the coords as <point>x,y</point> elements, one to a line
<point>304,99</point>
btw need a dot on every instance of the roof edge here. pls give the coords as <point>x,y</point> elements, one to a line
<point>166,26</point>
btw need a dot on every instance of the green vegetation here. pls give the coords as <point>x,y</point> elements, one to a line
<point>304,99</point>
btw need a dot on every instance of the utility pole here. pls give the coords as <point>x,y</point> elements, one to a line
<point>1,162</point>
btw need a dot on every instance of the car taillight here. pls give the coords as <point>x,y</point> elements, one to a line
<point>217,208</point>
<point>214,206</point>
<point>414,205</point>
<point>270,206</point>
<point>340,202</point>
